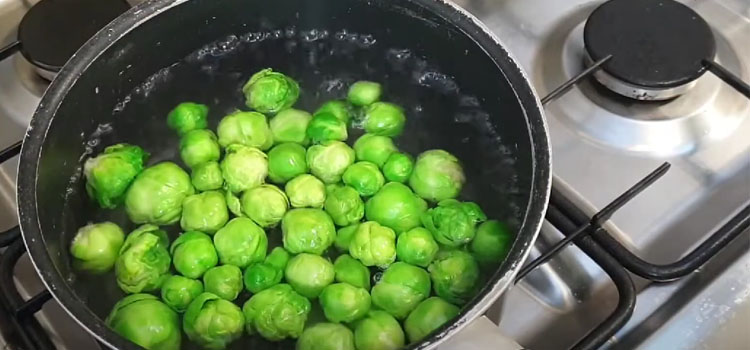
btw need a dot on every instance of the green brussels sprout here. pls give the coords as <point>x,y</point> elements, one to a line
<point>225,281</point>
<point>400,289</point>
<point>143,264</point>
<point>193,254</point>
<point>350,270</point>
<point>212,322</point>
<point>373,245</point>
<point>365,177</point>
<point>307,231</point>
<point>269,92</point>
<point>343,302</point>
<point>453,223</point>
<point>396,206</point>
<point>276,313</point>
<point>492,242</point>
<point>344,237</point>
<point>188,116</point>
<point>285,161</point>
<point>290,125</point>
<point>339,109</point>
<point>109,174</point>
<point>454,275</point>
<point>245,128</point>
<point>207,176</point>
<point>240,243</point>
<point>146,321</point>
<point>379,331</point>
<point>363,93</point>
<point>306,191</point>
<point>233,203</point>
<point>416,247</point>
<point>384,119</point>
<point>261,276</point>
<point>374,148</point>
<point>265,204</point>
<point>156,195</point>
<point>205,212</point>
<point>326,336</point>
<point>243,168</point>
<point>96,246</point>
<point>326,127</point>
<point>308,274</point>
<point>329,160</point>
<point>398,167</point>
<point>428,316</point>
<point>437,175</point>
<point>344,205</point>
<point>178,291</point>
<point>198,147</point>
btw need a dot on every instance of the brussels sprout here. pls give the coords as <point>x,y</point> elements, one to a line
<point>205,212</point>
<point>269,92</point>
<point>243,168</point>
<point>308,274</point>
<point>379,331</point>
<point>207,176</point>
<point>453,223</point>
<point>188,116</point>
<point>350,270</point>
<point>265,204</point>
<point>428,316</point>
<point>344,205</point>
<point>343,302</point>
<point>233,203</point>
<point>363,93</point>
<point>329,160</point>
<point>307,231</point>
<point>198,147</point>
<point>374,148</point>
<point>398,167</point>
<point>178,292</point>
<point>400,289</point>
<point>454,275</point>
<point>339,109</point>
<point>344,237</point>
<point>373,245</point>
<point>326,336</point>
<point>261,276</point>
<point>193,254</point>
<point>212,322</point>
<point>326,127</point>
<point>290,125</point>
<point>416,247</point>
<point>109,174</point>
<point>156,195</point>
<point>396,206</point>
<point>241,242</point>
<point>437,175</point>
<point>276,313</point>
<point>365,177</point>
<point>245,128</point>
<point>492,242</point>
<point>384,119</point>
<point>306,191</point>
<point>96,246</point>
<point>143,264</point>
<point>146,321</point>
<point>224,281</point>
<point>285,161</point>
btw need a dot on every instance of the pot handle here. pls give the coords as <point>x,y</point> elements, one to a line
<point>9,49</point>
<point>480,334</point>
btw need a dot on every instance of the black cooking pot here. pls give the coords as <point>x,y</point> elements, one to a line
<point>462,92</point>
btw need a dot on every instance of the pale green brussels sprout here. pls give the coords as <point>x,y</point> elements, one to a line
<point>339,109</point>
<point>276,313</point>
<point>374,148</point>
<point>270,92</point>
<point>416,247</point>
<point>188,116</point>
<point>329,160</point>
<point>326,336</point>
<point>243,168</point>
<point>492,242</point>
<point>193,254</point>
<point>307,231</point>
<point>344,237</point>
<point>396,206</point>
<point>344,205</point>
<point>212,322</point>
<point>326,127</point>
<point>343,302</point>
<point>198,147</point>
<point>308,274</point>
<point>207,176</point>
<point>156,195</point>
<point>205,212</point>
<point>233,203</point>
<point>143,264</point>
<point>384,119</point>
<point>109,174</point>
<point>379,331</point>
<point>365,177</point>
<point>363,93</point>
<point>306,191</point>
<point>290,125</point>
<point>240,243</point>
<point>454,275</point>
<point>286,161</point>
<point>265,204</point>
<point>96,246</point>
<point>400,289</point>
<point>453,223</point>
<point>437,175</point>
<point>245,128</point>
<point>261,276</point>
<point>179,291</point>
<point>224,281</point>
<point>373,245</point>
<point>398,167</point>
<point>146,321</point>
<point>429,315</point>
<point>350,270</point>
